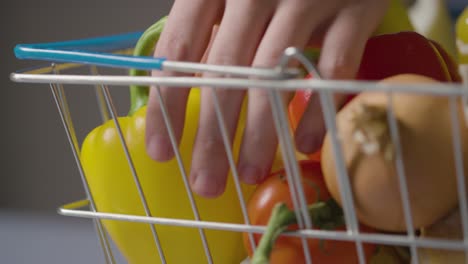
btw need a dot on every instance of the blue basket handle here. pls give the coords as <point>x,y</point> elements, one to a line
<point>95,51</point>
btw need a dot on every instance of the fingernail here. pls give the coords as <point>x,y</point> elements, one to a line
<point>308,144</point>
<point>251,174</point>
<point>159,149</point>
<point>205,183</point>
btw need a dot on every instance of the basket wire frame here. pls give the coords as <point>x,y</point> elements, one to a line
<point>274,81</point>
<point>62,106</point>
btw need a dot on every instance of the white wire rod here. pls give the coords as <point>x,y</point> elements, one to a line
<point>286,140</point>
<point>183,171</point>
<point>401,174</point>
<point>375,238</point>
<point>58,93</point>
<point>291,173</point>
<point>136,179</point>
<point>460,173</point>
<point>329,115</point>
<point>287,146</point>
<point>352,224</point>
<point>60,101</point>
<point>232,164</point>
<point>105,116</point>
<point>194,67</point>
<point>438,89</point>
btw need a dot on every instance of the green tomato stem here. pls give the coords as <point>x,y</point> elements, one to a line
<point>144,47</point>
<point>324,215</point>
<point>281,218</point>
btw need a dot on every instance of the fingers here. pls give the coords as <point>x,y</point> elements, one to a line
<point>340,57</point>
<point>346,38</point>
<point>291,25</point>
<point>185,38</point>
<point>237,39</point>
<point>252,33</point>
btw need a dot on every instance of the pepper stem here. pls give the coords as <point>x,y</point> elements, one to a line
<point>144,47</point>
<point>324,215</point>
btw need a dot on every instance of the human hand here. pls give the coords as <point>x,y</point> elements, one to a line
<point>252,33</point>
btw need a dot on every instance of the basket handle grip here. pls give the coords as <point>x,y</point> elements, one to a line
<point>95,51</point>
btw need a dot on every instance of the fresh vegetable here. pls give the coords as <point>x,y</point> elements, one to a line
<point>425,132</point>
<point>271,203</point>
<point>406,52</point>
<point>461,30</point>
<point>391,255</point>
<point>275,188</point>
<point>447,228</point>
<point>114,190</point>
<point>386,55</point>
<point>432,19</point>
<point>395,20</point>
<point>296,108</point>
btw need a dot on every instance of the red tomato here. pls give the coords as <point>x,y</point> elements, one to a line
<point>275,189</point>
<point>287,254</point>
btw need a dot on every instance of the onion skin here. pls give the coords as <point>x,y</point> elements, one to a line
<point>449,228</point>
<point>424,125</point>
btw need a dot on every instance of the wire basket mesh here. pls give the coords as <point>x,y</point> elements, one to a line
<point>132,205</point>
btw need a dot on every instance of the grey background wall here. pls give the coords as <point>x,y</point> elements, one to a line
<point>37,170</point>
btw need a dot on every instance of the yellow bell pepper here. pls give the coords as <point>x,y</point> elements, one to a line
<point>114,190</point>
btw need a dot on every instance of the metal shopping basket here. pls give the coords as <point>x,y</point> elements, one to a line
<point>101,54</point>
